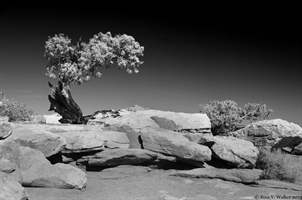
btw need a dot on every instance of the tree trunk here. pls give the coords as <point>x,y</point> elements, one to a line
<point>62,103</point>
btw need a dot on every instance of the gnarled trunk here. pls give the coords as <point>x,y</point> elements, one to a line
<point>62,103</point>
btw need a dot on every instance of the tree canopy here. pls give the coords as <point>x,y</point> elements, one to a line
<point>77,63</point>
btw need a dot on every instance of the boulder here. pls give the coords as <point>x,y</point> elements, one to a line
<point>94,140</point>
<point>5,130</point>
<point>297,149</point>
<point>246,176</point>
<point>236,152</point>
<point>132,135</point>
<point>172,143</point>
<point>291,142</point>
<point>37,171</point>
<point>36,138</point>
<point>52,119</point>
<point>141,119</point>
<point>9,157</point>
<point>267,133</point>
<point>165,123</point>
<point>11,189</point>
<point>119,157</point>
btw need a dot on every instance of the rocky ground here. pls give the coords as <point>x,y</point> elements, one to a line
<point>145,183</point>
<point>141,154</point>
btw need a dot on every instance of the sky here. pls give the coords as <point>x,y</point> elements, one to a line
<point>189,59</point>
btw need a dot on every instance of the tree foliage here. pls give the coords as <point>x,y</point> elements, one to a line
<point>226,115</point>
<point>77,63</point>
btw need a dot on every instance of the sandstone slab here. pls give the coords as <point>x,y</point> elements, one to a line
<point>119,157</point>
<point>141,119</point>
<point>172,143</point>
<point>246,176</point>
<point>11,189</point>
<point>37,171</point>
<point>94,140</point>
<point>36,138</point>
<point>236,152</point>
<point>267,133</point>
<point>133,136</point>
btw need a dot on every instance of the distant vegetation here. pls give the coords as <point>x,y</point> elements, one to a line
<point>14,110</point>
<point>226,115</point>
<point>278,166</point>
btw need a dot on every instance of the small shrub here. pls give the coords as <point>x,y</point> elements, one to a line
<point>14,110</point>
<point>225,115</point>
<point>278,166</point>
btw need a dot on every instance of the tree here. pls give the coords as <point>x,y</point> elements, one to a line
<point>75,64</point>
<point>226,115</point>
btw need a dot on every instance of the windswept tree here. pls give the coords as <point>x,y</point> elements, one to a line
<point>75,64</point>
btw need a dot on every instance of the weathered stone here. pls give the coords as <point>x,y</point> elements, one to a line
<point>288,142</point>
<point>9,157</point>
<point>94,140</point>
<point>171,143</point>
<point>142,119</point>
<point>165,123</point>
<point>278,185</point>
<point>119,157</point>
<point>132,135</point>
<point>37,171</point>
<point>246,176</point>
<point>11,189</point>
<point>5,130</point>
<point>298,150</point>
<point>36,138</point>
<point>236,152</point>
<point>15,175</point>
<point>267,133</point>
<point>53,119</point>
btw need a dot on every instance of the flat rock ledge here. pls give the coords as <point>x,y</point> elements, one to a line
<point>245,176</point>
<point>278,185</point>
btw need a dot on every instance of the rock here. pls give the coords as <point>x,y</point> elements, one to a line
<point>9,157</point>
<point>288,142</point>
<point>52,119</point>
<point>165,123</point>
<point>39,119</point>
<point>37,171</point>
<point>5,130</point>
<point>11,189</point>
<point>142,119</point>
<point>132,135</point>
<point>246,176</point>
<point>171,143</point>
<point>15,175</point>
<point>94,140</point>
<point>267,133</point>
<point>278,185</point>
<point>36,138</point>
<point>119,157</point>
<point>236,152</point>
<point>298,150</point>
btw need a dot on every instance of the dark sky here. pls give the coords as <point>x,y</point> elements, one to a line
<point>189,59</point>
